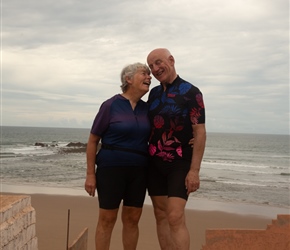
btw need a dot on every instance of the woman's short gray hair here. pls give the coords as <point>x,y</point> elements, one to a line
<point>129,71</point>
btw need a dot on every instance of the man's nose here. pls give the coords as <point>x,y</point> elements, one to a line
<point>155,67</point>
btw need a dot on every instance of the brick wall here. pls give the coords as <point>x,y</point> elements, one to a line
<point>275,237</point>
<point>17,223</point>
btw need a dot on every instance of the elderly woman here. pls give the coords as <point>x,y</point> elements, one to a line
<point>123,127</point>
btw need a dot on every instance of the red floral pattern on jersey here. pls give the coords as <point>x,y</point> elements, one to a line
<point>172,114</point>
<point>158,121</point>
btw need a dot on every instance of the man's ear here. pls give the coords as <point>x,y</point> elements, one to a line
<point>171,59</point>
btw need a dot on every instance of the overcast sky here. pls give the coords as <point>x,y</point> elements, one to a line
<point>62,59</point>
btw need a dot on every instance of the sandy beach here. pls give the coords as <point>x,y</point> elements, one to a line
<point>52,219</point>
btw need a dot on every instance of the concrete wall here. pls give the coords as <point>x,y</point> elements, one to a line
<point>81,242</point>
<point>275,237</point>
<point>17,223</point>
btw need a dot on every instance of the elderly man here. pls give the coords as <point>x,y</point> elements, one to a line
<point>176,112</point>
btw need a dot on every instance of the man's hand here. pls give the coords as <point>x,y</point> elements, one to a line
<point>191,142</point>
<point>192,181</point>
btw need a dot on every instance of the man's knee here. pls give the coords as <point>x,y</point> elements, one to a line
<point>160,207</point>
<point>175,218</point>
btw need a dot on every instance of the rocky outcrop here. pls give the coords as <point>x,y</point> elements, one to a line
<point>76,144</point>
<point>74,147</point>
<point>41,144</point>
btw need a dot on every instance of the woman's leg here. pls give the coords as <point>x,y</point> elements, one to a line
<point>106,223</point>
<point>130,219</point>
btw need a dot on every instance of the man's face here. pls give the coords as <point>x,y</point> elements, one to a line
<point>161,65</point>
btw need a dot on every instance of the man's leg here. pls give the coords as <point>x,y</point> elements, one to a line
<point>163,230</point>
<point>106,222</point>
<point>130,219</point>
<point>176,219</point>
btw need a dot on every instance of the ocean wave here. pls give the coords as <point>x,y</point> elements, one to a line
<point>7,155</point>
<point>234,163</point>
<point>249,168</point>
<point>268,184</point>
<point>242,183</point>
<point>207,180</point>
<point>250,172</point>
<point>41,149</point>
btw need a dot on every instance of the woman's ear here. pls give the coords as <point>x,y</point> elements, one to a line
<point>128,79</point>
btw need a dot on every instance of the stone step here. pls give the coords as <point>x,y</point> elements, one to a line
<point>18,223</point>
<point>276,236</point>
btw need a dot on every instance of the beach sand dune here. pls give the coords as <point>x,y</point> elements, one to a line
<point>52,220</point>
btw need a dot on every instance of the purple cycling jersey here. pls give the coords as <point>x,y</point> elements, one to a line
<point>119,125</point>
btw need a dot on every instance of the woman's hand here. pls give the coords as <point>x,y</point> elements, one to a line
<point>90,184</point>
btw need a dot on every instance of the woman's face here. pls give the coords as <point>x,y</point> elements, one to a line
<point>141,80</point>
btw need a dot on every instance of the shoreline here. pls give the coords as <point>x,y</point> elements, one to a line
<point>193,203</point>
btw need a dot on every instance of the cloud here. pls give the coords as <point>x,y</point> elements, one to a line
<point>61,60</point>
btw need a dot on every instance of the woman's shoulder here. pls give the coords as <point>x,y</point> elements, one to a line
<point>109,101</point>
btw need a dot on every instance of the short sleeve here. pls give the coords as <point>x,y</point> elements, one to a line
<point>102,119</point>
<point>196,107</point>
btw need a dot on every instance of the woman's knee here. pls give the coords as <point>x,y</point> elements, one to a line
<point>107,218</point>
<point>131,215</point>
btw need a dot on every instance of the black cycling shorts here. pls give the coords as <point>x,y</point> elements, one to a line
<point>167,178</point>
<point>115,184</point>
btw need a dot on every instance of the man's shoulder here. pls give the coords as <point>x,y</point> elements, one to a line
<point>182,81</point>
<point>187,85</point>
<point>158,87</point>
<point>155,90</point>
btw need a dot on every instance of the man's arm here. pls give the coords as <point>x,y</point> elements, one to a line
<point>90,184</point>
<point>192,181</point>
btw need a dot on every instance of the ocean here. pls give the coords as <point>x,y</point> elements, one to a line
<point>244,168</point>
